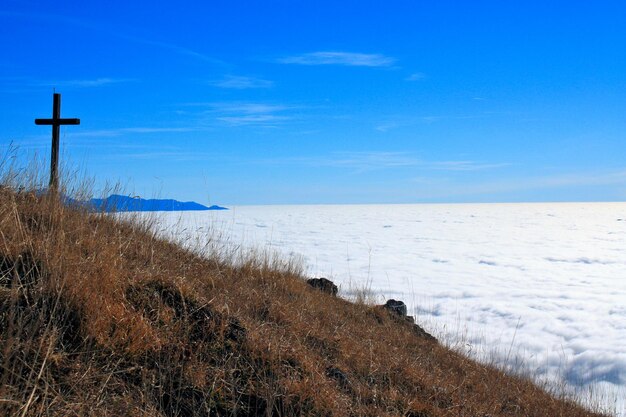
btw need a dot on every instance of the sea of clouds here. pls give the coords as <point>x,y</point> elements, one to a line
<point>540,288</point>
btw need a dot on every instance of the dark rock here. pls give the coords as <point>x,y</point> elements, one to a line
<point>323,284</point>
<point>399,310</point>
<point>397,307</point>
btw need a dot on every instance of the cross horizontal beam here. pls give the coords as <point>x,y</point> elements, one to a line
<point>57,122</point>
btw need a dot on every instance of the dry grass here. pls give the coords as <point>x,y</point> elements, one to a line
<point>100,317</point>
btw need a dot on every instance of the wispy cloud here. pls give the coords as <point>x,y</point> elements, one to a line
<point>254,119</point>
<point>562,180</point>
<point>370,161</point>
<point>416,76</point>
<point>464,165</point>
<point>242,83</point>
<point>519,184</point>
<point>404,122</point>
<point>127,130</point>
<point>96,27</point>
<point>18,84</point>
<point>181,50</point>
<point>243,113</point>
<point>249,108</point>
<point>162,155</point>
<point>399,121</point>
<point>340,58</point>
<point>85,83</point>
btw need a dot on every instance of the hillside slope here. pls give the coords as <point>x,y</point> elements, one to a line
<point>101,318</point>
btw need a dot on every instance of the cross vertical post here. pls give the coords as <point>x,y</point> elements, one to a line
<point>56,123</point>
<point>56,130</point>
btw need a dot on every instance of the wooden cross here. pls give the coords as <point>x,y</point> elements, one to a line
<point>56,123</point>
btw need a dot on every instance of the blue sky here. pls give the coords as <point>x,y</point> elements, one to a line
<point>294,102</point>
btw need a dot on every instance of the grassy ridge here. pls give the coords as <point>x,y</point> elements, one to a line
<point>100,317</point>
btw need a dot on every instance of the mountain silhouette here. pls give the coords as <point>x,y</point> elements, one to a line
<point>116,203</point>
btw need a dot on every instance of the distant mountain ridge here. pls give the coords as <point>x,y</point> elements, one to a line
<point>116,203</point>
